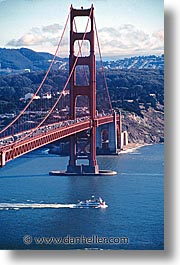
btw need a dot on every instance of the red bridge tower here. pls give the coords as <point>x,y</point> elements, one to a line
<point>88,90</point>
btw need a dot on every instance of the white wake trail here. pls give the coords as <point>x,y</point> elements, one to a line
<point>17,206</point>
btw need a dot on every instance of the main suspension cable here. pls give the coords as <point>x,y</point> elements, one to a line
<point>104,75</point>
<point>40,86</point>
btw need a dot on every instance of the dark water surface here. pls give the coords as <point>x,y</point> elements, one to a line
<point>135,197</point>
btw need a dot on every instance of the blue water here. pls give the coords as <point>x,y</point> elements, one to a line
<point>135,197</point>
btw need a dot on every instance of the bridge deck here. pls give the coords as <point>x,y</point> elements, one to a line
<point>19,148</point>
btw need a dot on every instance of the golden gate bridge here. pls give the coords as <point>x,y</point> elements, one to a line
<point>38,124</point>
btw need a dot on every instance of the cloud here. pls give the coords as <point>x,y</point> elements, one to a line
<point>127,39</point>
<point>121,41</point>
<point>159,35</point>
<point>54,28</point>
<point>47,35</point>
<point>28,39</point>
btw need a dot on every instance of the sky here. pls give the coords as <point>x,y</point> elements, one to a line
<point>125,27</point>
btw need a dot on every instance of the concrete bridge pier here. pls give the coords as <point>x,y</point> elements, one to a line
<point>108,138</point>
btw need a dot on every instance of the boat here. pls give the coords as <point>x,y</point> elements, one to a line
<point>92,203</point>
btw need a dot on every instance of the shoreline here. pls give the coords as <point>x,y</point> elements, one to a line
<point>131,147</point>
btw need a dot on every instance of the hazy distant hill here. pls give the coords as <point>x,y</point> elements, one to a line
<point>137,62</point>
<point>21,59</point>
<point>14,59</point>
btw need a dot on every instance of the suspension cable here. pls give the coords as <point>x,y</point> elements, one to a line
<point>40,86</point>
<point>65,86</point>
<point>102,65</point>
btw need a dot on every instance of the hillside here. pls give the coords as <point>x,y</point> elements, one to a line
<point>22,60</point>
<point>146,129</point>
<point>138,93</point>
<point>19,60</point>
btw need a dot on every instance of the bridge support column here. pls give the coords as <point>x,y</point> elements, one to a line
<point>113,130</point>
<point>3,159</point>
<point>113,136</point>
<point>119,132</point>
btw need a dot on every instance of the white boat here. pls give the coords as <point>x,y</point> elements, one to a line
<point>92,203</point>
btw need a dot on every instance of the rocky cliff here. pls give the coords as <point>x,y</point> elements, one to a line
<point>145,129</point>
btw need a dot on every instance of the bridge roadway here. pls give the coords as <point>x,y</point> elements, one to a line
<point>20,147</point>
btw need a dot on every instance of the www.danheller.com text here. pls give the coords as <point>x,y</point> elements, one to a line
<point>94,239</point>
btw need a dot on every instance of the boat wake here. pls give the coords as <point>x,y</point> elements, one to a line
<point>18,206</point>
